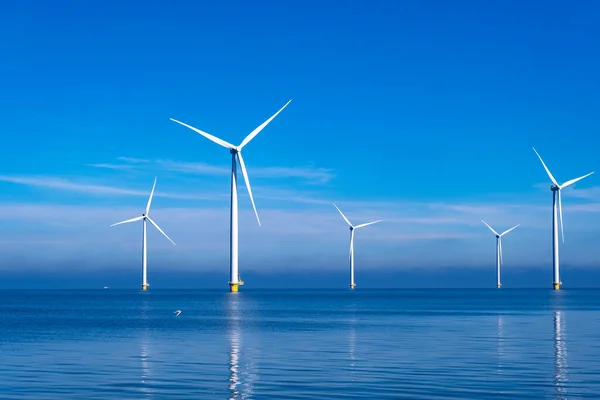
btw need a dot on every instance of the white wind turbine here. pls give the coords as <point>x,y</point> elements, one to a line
<point>235,151</point>
<point>556,214</point>
<point>499,249</point>
<point>145,217</point>
<point>352,228</point>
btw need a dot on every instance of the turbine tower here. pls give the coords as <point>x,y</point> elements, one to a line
<point>556,214</point>
<point>352,228</point>
<point>236,152</point>
<point>145,217</point>
<point>498,249</point>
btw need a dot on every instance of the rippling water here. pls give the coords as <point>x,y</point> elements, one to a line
<point>469,344</point>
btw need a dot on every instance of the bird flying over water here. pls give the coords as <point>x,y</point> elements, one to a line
<point>177,313</point>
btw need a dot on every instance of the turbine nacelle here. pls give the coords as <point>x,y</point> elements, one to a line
<point>556,187</point>
<point>499,237</point>
<point>145,216</point>
<point>352,228</point>
<point>236,151</point>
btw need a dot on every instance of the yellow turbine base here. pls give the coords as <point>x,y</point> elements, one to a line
<point>144,287</point>
<point>499,286</point>
<point>233,287</point>
<point>556,286</point>
<point>352,286</point>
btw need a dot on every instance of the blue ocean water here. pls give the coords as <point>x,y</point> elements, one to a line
<point>368,344</point>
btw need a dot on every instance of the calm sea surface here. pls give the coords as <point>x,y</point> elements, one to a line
<point>421,344</point>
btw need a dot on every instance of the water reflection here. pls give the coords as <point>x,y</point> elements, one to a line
<point>352,341</point>
<point>500,343</point>
<point>560,356</point>
<point>145,359</point>
<point>234,345</point>
<point>240,378</point>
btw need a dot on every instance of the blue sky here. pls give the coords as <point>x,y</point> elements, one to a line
<point>420,113</point>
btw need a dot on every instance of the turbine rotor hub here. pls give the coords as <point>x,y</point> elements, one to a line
<point>233,151</point>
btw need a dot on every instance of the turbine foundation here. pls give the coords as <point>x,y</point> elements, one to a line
<point>144,287</point>
<point>352,286</point>
<point>499,285</point>
<point>556,286</point>
<point>233,287</point>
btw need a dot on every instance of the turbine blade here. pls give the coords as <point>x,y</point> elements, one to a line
<point>572,181</point>
<point>206,135</point>
<point>491,229</point>
<point>243,166</point>
<point>255,132</point>
<point>160,230</point>
<point>367,224</point>
<point>150,199</point>
<point>351,244</point>
<point>562,230</point>
<point>546,168</point>
<point>343,216</point>
<point>508,230</point>
<point>129,220</point>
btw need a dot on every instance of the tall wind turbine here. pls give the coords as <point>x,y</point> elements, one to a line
<point>498,249</point>
<point>556,213</point>
<point>236,152</point>
<point>352,228</point>
<point>145,217</point>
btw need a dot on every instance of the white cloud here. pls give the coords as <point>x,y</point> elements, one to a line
<point>308,174</point>
<point>71,186</point>
<point>202,233</point>
<point>421,233</point>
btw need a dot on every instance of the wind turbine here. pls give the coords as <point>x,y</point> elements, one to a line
<point>352,228</point>
<point>235,151</point>
<point>498,249</point>
<point>145,217</point>
<point>556,213</point>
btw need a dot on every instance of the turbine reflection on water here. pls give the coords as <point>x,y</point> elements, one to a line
<point>240,382</point>
<point>145,364</point>
<point>352,341</point>
<point>560,356</point>
<point>500,344</point>
<point>234,345</point>
<point>145,358</point>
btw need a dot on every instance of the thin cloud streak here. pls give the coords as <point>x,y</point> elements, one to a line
<point>591,193</point>
<point>422,236</point>
<point>66,185</point>
<point>202,234</point>
<point>308,174</point>
<point>55,183</point>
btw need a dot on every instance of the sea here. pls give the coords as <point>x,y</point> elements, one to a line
<point>300,344</point>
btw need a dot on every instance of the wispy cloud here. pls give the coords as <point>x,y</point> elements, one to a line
<point>422,236</point>
<point>308,174</point>
<point>71,186</point>
<point>585,193</point>
<point>201,232</point>
<point>591,192</point>
<point>76,186</point>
